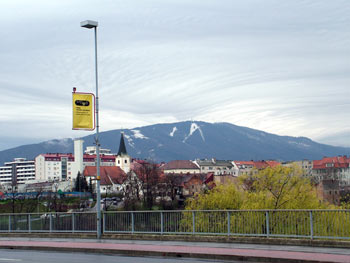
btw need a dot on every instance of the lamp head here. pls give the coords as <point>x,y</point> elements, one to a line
<point>89,24</point>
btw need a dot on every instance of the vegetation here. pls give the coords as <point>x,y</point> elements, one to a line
<point>271,188</point>
<point>81,184</point>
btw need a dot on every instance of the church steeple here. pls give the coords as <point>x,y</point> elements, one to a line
<point>122,148</point>
<point>123,160</point>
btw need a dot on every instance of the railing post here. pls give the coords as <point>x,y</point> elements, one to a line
<point>311,226</point>
<point>50,221</point>
<point>193,222</point>
<point>161,222</point>
<point>73,223</point>
<point>9,223</point>
<point>228,223</point>
<point>267,224</point>
<point>132,223</point>
<point>104,215</point>
<point>29,223</point>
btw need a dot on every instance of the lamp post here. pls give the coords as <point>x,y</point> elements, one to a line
<point>93,24</point>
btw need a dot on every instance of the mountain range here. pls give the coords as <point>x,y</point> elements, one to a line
<point>190,140</point>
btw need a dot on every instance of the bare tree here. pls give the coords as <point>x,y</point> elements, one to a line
<point>132,191</point>
<point>145,188</point>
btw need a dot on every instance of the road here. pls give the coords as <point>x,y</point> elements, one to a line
<point>25,256</point>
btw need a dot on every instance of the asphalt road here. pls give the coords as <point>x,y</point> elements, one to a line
<point>26,256</point>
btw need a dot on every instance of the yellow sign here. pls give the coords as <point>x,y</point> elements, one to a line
<point>83,111</point>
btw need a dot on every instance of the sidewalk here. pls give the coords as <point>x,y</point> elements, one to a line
<point>231,251</point>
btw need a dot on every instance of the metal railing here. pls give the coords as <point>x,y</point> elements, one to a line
<point>327,224</point>
<point>49,222</point>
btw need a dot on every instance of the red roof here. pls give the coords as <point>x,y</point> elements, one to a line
<point>108,174</point>
<point>273,163</point>
<point>260,164</point>
<point>180,164</point>
<point>332,162</point>
<point>246,163</point>
<point>210,178</point>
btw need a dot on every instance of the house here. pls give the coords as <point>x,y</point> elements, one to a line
<point>192,184</point>
<point>112,178</point>
<point>180,167</point>
<point>244,167</point>
<point>329,190</point>
<point>218,167</point>
<point>305,165</point>
<point>247,167</point>
<point>335,168</point>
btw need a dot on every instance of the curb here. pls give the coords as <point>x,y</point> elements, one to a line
<point>233,239</point>
<point>136,253</point>
<point>191,238</point>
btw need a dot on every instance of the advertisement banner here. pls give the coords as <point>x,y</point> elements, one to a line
<point>83,111</point>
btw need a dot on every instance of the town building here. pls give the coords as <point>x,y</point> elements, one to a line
<point>305,165</point>
<point>244,167</point>
<point>65,166</point>
<point>112,178</point>
<point>249,167</point>
<point>92,150</point>
<point>123,160</point>
<point>332,177</point>
<point>334,168</point>
<point>218,167</point>
<point>329,190</point>
<point>19,171</point>
<point>181,167</point>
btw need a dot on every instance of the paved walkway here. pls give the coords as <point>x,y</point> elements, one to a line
<point>231,251</point>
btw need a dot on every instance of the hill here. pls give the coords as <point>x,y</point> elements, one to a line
<point>190,140</point>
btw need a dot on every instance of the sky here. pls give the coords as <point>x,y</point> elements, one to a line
<point>278,66</point>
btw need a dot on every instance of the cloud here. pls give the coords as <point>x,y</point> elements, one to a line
<point>279,66</point>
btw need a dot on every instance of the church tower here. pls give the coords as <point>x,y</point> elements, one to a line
<point>123,160</point>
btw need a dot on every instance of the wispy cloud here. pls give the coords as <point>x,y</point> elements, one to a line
<point>279,66</point>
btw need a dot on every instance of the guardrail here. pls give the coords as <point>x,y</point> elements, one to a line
<point>49,222</point>
<point>327,224</point>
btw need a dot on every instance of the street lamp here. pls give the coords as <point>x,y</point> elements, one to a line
<point>93,24</point>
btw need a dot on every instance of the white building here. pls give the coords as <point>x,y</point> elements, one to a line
<point>54,166</point>
<point>181,167</point>
<point>17,172</point>
<point>218,167</point>
<point>123,160</point>
<point>92,150</point>
<point>65,166</point>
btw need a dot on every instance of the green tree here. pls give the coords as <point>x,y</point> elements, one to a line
<point>271,188</point>
<point>81,184</point>
<point>280,188</point>
<point>227,196</point>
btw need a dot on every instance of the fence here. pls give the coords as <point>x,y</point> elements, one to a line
<point>328,224</point>
<point>50,222</point>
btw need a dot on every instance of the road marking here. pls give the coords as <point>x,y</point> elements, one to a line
<point>10,259</point>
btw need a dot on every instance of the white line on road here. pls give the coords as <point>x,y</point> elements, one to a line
<point>10,259</point>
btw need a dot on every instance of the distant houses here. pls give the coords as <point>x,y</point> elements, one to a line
<point>177,178</point>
